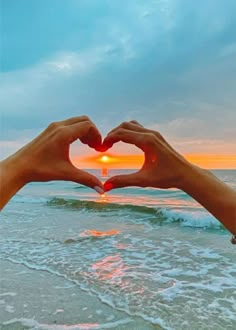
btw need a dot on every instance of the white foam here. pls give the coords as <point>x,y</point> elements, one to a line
<point>9,309</point>
<point>11,294</point>
<point>196,219</point>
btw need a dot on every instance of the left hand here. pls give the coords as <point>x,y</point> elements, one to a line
<point>46,158</point>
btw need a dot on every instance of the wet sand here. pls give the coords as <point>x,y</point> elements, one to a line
<point>33,299</point>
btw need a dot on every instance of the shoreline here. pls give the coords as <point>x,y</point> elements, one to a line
<point>27,300</point>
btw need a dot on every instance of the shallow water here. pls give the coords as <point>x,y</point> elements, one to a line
<point>165,264</point>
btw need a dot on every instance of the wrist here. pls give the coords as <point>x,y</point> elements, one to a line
<point>189,176</point>
<point>12,178</point>
<point>14,168</point>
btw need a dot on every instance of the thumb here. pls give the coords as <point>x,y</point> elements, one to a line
<point>121,181</point>
<point>86,179</point>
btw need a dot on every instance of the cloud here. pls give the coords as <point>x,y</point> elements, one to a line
<point>162,62</point>
<point>28,84</point>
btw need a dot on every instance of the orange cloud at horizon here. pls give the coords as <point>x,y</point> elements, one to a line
<point>133,161</point>
<point>213,161</point>
<point>110,161</point>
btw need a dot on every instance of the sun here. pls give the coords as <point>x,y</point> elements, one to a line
<point>104,159</point>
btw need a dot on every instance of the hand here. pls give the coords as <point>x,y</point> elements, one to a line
<point>163,166</point>
<point>47,156</point>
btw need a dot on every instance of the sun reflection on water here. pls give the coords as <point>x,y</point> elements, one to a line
<point>109,268</point>
<point>103,198</point>
<point>97,233</point>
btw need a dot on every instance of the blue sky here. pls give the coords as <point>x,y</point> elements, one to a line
<point>171,64</point>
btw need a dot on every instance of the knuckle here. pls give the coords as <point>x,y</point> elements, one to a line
<point>61,131</point>
<point>150,138</point>
<point>158,134</point>
<point>135,122</point>
<point>120,131</point>
<point>88,124</point>
<point>53,126</point>
<point>125,124</point>
<point>85,118</point>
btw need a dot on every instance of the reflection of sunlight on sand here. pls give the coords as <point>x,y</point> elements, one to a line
<point>121,246</point>
<point>33,324</point>
<point>96,233</point>
<point>81,326</point>
<point>87,326</point>
<point>113,270</point>
<point>109,268</point>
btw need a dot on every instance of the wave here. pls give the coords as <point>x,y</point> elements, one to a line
<point>96,206</point>
<point>155,215</point>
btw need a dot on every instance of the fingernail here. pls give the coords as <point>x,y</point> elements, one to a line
<point>99,190</point>
<point>108,186</point>
<point>102,148</point>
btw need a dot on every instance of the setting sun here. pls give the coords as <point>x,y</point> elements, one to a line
<point>104,158</point>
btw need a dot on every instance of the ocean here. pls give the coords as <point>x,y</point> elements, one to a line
<point>133,259</point>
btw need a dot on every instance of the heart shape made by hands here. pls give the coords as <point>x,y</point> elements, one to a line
<point>162,167</point>
<point>123,180</point>
<point>118,161</point>
<point>112,138</point>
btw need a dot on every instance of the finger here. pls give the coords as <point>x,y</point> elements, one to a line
<point>86,131</point>
<point>132,125</point>
<point>136,127</point>
<point>140,140</point>
<point>85,178</point>
<point>136,123</point>
<point>74,120</point>
<point>139,128</point>
<point>93,138</point>
<point>101,148</point>
<point>105,146</point>
<point>128,125</point>
<point>121,181</point>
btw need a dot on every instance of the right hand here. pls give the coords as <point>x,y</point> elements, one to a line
<point>163,166</point>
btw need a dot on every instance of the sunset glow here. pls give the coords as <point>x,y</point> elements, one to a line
<point>134,161</point>
<point>110,161</point>
<point>213,161</point>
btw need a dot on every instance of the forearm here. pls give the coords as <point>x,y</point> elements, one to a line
<point>12,179</point>
<point>217,197</point>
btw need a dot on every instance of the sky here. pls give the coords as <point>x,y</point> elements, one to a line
<point>170,64</point>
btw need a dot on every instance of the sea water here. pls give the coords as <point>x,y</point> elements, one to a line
<point>132,259</point>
